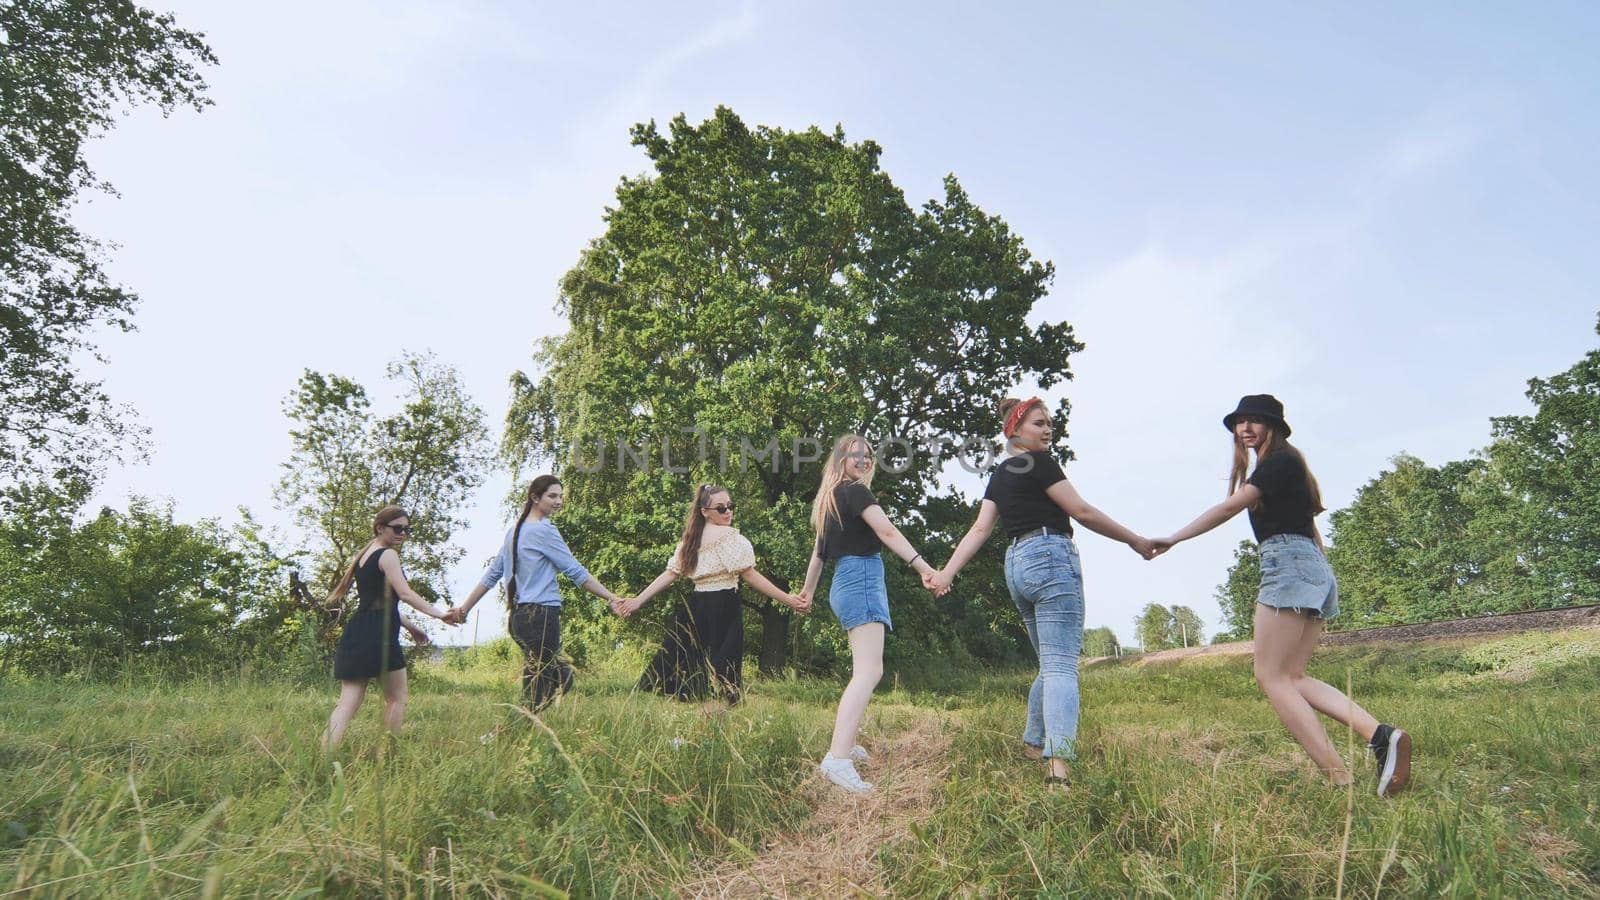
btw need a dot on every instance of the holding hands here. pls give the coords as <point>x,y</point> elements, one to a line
<point>800,603</point>
<point>939,582</point>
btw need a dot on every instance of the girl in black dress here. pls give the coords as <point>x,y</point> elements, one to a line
<point>370,645</point>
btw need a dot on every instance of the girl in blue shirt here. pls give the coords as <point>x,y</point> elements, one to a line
<point>530,558</point>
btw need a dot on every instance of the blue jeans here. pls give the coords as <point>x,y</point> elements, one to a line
<point>1046,584</point>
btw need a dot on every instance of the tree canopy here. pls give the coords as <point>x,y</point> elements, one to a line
<point>346,463</point>
<point>1154,628</point>
<point>67,67</point>
<point>772,289</point>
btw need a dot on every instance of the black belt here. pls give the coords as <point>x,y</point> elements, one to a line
<point>1039,532</point>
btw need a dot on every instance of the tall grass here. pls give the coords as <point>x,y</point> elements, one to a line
<point>1189,786</point>
<point>1186,785</point>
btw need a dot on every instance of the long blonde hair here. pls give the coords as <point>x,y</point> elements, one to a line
<point>385,516</point>
<point>1275,443</point>
<point>825,507</point>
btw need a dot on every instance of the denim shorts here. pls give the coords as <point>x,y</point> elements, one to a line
<point>1295,575</point>
<point>858,593</point>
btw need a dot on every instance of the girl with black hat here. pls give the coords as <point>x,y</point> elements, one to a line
<point>1298,591</point>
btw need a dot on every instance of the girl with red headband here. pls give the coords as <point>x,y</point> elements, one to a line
<point>1032,497</point>
<point>1298,591</point>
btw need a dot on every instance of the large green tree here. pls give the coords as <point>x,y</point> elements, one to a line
<point>67,68</point>
<point>346,463</point>
<point>1411,547</point>
<point>1550,463</point>
<point>774,287</point>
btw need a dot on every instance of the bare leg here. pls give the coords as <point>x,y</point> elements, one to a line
<point>1324,697</point>
<point>395,695</point>
<point>1280,653</point>
<point>351,693</point>
<point>866,667</point>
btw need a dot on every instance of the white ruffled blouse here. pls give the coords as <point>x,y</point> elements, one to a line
<point>720,563</point>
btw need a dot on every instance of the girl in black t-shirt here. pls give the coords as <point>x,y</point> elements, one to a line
<point>1298,591</point>
<point>1031,496</point>
<point>851,530</point>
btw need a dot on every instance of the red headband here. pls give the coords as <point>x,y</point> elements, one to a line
<point>1020,410</point>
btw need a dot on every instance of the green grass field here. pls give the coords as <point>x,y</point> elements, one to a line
<point>1187,787</point>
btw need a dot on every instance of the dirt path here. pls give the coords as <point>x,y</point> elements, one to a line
<point>835,853</point>
<point>1510,623</point>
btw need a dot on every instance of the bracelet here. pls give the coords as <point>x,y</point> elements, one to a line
<point>914,559</point>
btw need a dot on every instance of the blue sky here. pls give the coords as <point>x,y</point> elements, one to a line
<point>1385,216</point>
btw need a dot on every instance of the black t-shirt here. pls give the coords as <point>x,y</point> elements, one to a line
<point>849,534</point>
<point>1018,486</point>
<point>1285,506</point>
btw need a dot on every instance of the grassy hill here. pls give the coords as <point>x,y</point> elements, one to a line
<point>1187,786</point>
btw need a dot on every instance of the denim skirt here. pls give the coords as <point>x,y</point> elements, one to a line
<point>858,593</point>
<point>1295,575</point>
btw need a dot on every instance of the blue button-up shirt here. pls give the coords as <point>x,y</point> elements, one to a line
<point>540,554</point>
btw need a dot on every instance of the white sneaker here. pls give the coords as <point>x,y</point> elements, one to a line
<point>842,772</point>
<point>859,754</point>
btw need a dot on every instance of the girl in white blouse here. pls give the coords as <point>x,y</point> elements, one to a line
<point>703,651</point>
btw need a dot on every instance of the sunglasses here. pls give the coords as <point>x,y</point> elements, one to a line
<point>399,529</point>
<point>724,510</point>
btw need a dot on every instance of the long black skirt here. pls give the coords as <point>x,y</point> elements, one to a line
<point>703,651</point>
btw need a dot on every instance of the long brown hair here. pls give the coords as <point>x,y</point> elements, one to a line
<point>536,490</point>
<point>825,507</point>
<point>385,516</point>
<point>695,527</point>
<point>1275,443</point>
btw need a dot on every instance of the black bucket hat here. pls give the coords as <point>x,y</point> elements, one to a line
<point>1264,405</point>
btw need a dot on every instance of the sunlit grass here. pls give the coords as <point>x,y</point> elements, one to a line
<point>1187,785</point>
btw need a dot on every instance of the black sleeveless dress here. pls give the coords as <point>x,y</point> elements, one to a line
<point>370,644</point>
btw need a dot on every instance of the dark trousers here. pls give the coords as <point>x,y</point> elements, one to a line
<point>703,650</point>
<point>537,630</point>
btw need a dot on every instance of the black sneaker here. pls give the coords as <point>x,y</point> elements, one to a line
<point>1392,747</point>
